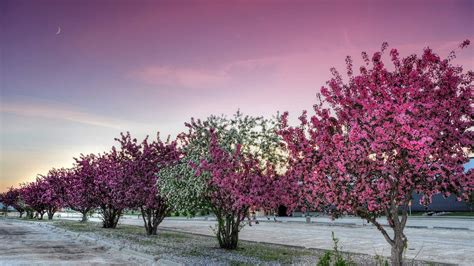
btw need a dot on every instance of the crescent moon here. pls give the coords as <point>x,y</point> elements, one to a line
<point>59,31</point>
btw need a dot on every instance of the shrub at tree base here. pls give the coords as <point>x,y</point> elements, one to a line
<point>335,256</point>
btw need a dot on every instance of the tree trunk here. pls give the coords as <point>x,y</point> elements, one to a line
<point>399,241</point>
<point>21,213</point>
<point>397,255</point>
<point>110,217</point>
<point>228,228</point>
<point>153,217</point>
<point>40,215</point>
<point>398,246</point>
<point>84,217</point>
<point>51,213</point>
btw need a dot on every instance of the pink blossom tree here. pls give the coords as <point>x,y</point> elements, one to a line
<point>80,187</point>
<point>142,162</point>
<point>4,201</point>
<point>229,166</point>
<point>28,209</point>
<point>384,135</point>
<point>12,198</point>
<point>45,195</point>
<point>236,184</point>
<point>111,186</point>
<point>54,190</point>
<point>32,193</point>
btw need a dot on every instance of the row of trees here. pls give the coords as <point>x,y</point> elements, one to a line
<point>123,178</point>
<point>373,141</point>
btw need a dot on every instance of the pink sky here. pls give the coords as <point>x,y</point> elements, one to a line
<point>147,66</point>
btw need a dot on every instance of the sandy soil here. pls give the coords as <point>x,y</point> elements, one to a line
<point>23,243</point>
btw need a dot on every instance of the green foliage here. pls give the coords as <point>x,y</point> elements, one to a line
<point>325,260</point>
<point>335,257</point>
<point>183,189</point>
<point>238,263</point>
<point>381,260</point>
<point>203,212</point>
<point>188,192</point>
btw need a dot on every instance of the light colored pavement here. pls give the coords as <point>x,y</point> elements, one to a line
<point>26,243</point>
<point>438,244</point>
<point>440,222</point>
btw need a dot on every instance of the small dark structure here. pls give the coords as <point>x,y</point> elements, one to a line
<point>282,211</point>
<point>440,203</point>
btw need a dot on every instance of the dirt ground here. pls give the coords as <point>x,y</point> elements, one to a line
<point>24,243</point>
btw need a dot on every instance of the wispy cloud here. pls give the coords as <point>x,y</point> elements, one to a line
<point>202,78</point>
<point>62,113</point>
<point>182,77</point>
<point>299,69</point>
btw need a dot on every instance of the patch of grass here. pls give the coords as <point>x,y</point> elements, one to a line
<point>268,252</point>
<point>238,263</point>
<point>335,256</point>
<point>381,260</point>
<point>24,218</point>
<point>130,232</point>
<point>173,236</point>
<point>146,242</point>
<point>194,252</point>
<point>132,213</point>
<point>325,260</point>
<point>195,244</point>
<point>77,226</point>
<point>130,229</point>
<point>36,220</point>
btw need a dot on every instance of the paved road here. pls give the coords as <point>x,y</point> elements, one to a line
<point>440,222</point>
<point>440,245</point>
<point>24,243</point>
